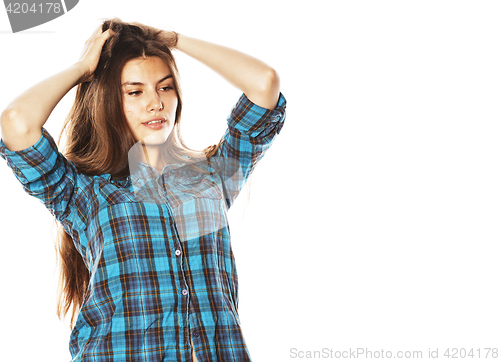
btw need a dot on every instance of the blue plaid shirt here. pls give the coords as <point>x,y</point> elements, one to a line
<point>157,246</point>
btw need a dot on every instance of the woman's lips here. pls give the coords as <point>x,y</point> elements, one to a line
<point>156,125</point>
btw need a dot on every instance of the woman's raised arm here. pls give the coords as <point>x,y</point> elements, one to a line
<point>257,80</point>
<point>21,122</point>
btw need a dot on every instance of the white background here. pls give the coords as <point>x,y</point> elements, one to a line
<point>373,221</point>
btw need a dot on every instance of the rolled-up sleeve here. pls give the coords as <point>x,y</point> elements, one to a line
<point>47,175</point>
<point>251,131</point>
<point>258,123</point>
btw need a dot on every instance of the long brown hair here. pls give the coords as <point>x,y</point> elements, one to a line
<point>98,138</point>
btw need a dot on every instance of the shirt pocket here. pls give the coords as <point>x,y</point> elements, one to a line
<point>201,186</point>
<point>188,193</point>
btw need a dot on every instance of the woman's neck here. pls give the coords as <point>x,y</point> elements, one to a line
<point>152,156</point>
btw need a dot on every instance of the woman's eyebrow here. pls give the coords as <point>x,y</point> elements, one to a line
<point>140,83</point>
<point>165,78</point>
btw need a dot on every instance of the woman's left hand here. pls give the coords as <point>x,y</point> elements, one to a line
<point>171,38</point>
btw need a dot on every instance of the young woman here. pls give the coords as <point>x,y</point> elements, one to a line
<point>147,266</point>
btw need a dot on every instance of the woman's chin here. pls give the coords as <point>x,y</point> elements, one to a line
<point>155,139</point>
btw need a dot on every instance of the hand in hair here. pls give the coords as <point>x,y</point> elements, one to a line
<point>170,37</point>
<point>92,51</point>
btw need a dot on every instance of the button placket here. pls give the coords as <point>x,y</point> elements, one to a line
<point>178,253</point>
<point>178,250</point>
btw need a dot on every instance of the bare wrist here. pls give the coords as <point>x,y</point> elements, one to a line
<point>82,72</point>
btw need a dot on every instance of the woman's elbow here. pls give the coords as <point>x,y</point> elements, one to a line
<point>10,120</point>
<point>273,83</point>
<point>268,90</point>
<point>15,132</point>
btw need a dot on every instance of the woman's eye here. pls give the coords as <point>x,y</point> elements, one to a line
<point>166,88</point>
<point>135,93</point>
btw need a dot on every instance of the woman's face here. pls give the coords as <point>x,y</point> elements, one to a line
<point>149,99</point>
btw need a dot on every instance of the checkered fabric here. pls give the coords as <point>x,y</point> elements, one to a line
<point>157,246</point>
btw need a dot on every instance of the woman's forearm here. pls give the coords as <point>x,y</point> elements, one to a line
<point>23,119</point>
<point>257,80</point>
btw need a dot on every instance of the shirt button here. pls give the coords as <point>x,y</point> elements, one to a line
<point>177,252</point>
<point>184,291</point>
<point>196,334</point>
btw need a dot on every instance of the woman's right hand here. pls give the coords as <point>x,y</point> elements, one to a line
<point>92,51</point>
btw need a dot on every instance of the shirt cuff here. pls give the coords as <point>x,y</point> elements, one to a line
<point>251,119</point>
<point>31,163</point>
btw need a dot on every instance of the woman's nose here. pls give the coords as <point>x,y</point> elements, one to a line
<point>155,103</point>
